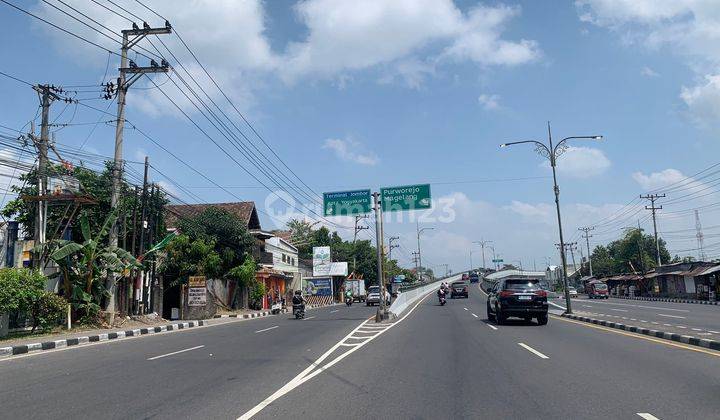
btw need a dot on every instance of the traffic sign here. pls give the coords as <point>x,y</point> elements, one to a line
<point>347,203</point>
<point>498,261</point>
<point>407,197</point>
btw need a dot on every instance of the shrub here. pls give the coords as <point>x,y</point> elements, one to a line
<point>47,310</point>
<point>19,289</point>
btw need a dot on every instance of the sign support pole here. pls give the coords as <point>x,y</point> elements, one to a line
<point>379,245</point>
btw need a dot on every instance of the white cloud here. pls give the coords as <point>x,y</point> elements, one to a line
<point>542,211</point>
<point>703,100</point>
<point>170,189</point>
<point>648,72</point>
<point>658,180</point>
<point>489,102</point>
<point>581,162</point>
<point>349,35</point>
<point>688,27</point>
<point>351,151</point>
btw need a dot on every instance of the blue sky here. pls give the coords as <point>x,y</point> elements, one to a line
<point>372,94</point>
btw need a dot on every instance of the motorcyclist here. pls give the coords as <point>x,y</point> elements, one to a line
<point>441,292</point>
<point>298,299</point>
<point>348,294</point>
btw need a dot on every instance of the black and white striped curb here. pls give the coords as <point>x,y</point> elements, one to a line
<point>77,341</point>
<point>266,313</point>
<point>659,299</point>
<point>701,342</point>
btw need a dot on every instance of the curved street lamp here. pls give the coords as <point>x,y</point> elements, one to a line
<point>552,153</point>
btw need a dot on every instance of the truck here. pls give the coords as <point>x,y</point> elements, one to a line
<point>358,289</point>
<point>596,289</point>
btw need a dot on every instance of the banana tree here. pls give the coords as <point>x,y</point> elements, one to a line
<point>84,264</point>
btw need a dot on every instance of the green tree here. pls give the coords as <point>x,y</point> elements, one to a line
<point>634,252</point>
<point>23,290</point>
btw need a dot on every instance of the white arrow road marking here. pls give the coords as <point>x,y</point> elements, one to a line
<point>533,351</point>
<point>176,352</point>
<point>267,329</point>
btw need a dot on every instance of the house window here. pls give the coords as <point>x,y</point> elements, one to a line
<point>293,261</point>
<point>284,258</point>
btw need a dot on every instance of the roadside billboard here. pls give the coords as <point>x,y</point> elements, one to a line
<point>318,286</point>
<point>321,261</point>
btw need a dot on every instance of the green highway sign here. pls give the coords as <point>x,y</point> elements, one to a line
<point>407,197</point>
<point>347,203</point>
<point>498,261</point>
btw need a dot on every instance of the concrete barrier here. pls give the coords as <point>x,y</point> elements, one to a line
<point>405,299</point>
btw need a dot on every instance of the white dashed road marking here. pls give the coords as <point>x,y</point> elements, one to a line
<point>672,316</point>
<point>533,351</point>
<point>474,315</point>
<point>176,352</point>
<point>647,416</point>
<point>267,329</point>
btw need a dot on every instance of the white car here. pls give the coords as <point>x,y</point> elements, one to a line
<point>572,292</point>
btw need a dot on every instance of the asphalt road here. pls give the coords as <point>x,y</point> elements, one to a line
<point>702,321</point>
<point>435,363</point>
<point>444,362</point>
<point>240,363</point>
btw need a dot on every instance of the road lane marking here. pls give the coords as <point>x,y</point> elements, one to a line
<point>647,416</point>
<point>714,332</point>
<point>672,316</point>
<point>316,367</point>
<point>681,326</point>
<point>696,329</point>
<point>176,352</point>
<point>619,310</point>
<point>492,326</point>
<point>310,317</point>
<point>332,312</point>
<point>533,351</point>
<point>267,329</point>
<point>638,336</point>
<point>474,315</point>
<point>559,306</point>
<point>465,309</point>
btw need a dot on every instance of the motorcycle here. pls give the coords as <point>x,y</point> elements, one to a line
<point>441,298</point>
<point>299,311</point>
<point>276,308</point>
<point>348,300</point>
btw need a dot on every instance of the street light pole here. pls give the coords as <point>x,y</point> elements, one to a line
<point>552,153</point>
<point>482,244</point>
<point>419,231</point>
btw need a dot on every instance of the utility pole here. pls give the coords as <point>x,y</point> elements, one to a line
<point>419,231</point>
<point>392,246</point>
<point>482,244</point>
<point>587,237</point>
<point>47,95</point>
<point>357,229</point>
<point>130,38</point>
<point>699,236</point>
<point>415,260</point>
<point>379,245</point>
<point>140,289</point>
<point>652,198</point>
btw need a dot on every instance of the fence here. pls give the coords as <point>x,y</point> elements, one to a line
<point>410,295</point>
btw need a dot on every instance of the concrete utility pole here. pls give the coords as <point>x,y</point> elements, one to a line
<point>47,95</point>
<point>379,245</point>
<point>652,198</point>
<point>419,231</point>
<point>482,244</point>
<point>587,237</point>
<point>699,237</point>
<point>143,227</point>
<point>130,38</point>
<point>355,234</point>
<point>415,260</point>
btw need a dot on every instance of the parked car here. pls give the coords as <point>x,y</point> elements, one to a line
<point>572,292</point>
<point>459,288</point>
<point>597,289</point>
<point>373,296</point>
<point>474,278</point>
<point>521,298</point>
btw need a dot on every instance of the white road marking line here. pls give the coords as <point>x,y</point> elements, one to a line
<point>555,304</point>
<point>311,371</point>
<point>714,332</point>
<point>696,329</point>
<point>653,322</point>
<point>492,326</point>
<point>310,317</point>
<point>533,351</point>
<point>668,325</point>
<point>672,316</point>
<point>588,306</point>
<point>176,352</point>
<point>332,312</point>
<point>267,329</point>
<point>633,319</point>
<point>680,326</point>
<point>647,416</point>
<point>704,334</point>
<point>619,310</point>
<point>474,315</point>
<point>465,309</point>
<point>642,320</point>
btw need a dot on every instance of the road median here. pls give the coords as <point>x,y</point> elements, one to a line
<point>672,300</point>
<point>685,339</point>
